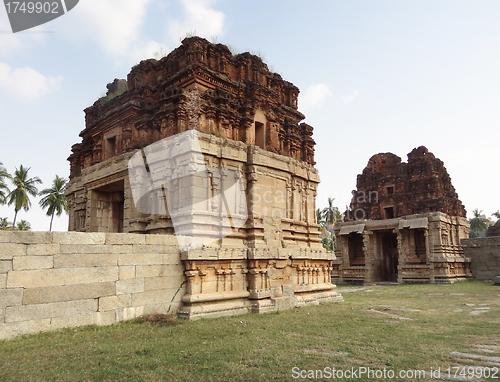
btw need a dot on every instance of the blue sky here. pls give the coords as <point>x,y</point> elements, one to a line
<point>375,76</point>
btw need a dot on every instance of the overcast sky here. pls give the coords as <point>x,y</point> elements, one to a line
<point>375,76</point>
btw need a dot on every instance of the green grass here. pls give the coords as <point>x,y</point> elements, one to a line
<point>418,327</point>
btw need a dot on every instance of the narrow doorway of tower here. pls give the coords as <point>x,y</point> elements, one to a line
<point>388,245</point>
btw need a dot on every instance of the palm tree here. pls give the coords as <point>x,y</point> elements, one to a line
<point>320,221</point>
<point>25,186</point>
<point>478,224</point>
<point>4,224</point>
<point>23,225</point>
<point>4,190</point>
<point>54,199</point>
<point>331,214</point>
<point>327,218</point>
<point>496,214</point>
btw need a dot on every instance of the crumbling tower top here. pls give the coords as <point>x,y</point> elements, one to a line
<point>200,86</point>
<point>389,188</point>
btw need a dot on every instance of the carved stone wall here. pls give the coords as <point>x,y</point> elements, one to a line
<point>422,248</point>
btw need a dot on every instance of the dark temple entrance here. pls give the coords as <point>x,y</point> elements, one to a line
<point>107,208</point>
<point>389,256</point>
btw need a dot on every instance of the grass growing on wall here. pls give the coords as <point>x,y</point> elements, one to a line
<point>396,327</point>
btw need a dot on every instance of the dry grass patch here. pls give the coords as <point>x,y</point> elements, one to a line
<point>158,319</point>
<point>266,347</point>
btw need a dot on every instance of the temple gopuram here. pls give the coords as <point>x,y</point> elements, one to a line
<point>404,224</point>
<point>245,122</point>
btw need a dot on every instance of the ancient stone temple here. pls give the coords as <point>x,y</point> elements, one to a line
<point>404,224</point>
<point>208,146</point>
<point>494,230</point>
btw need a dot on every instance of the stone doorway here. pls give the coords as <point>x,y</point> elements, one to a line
<point>107,208</point>
<point>389,256</point>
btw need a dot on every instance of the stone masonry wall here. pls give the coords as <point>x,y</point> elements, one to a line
<point>51,280</point>
<point>485,256</point>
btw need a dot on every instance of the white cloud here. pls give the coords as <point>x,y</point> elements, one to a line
<point>152,49</point>
<point>200,18</point>
<point>314,97</point>
<point>115,25</point>
<point>349,98</point>
<point>26,83</point>
<point>11,43</point>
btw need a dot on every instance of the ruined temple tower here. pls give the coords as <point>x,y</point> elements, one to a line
<point>404,224</point>
<point>247,125</point>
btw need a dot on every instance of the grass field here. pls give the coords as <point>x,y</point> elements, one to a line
<point>410,327</point>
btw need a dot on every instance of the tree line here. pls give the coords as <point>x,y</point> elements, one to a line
<point>479,224</point>
<point>24,186</point>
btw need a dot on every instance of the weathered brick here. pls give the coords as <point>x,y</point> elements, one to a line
<point>51,310</point>
<point>70,249</point>
<point>73,320</point>
<point>92,318</point>
<point>105,318</point>
<point>125,238</point>
<point>11,297</point>
<point>139,259</point>
<point>154,297</point>
<point>157,283</point>
<point>68,292</point>
<point>84,260</point>
<point>22,263</point>
<point>28,237</point>
<point>5,266</point>
<point>116,248</point>
<point>9,250</point>
<point>43,249</point>
<point>163,240</point>
<point>54,277</point>
<point>170,307</point>
<point>126,272</point>
<point>129,313</point>
<point>153,270</point>
<point>13,329</point>
<point>114,302</point>
<point>4,236</point>
<point>79,237</point>
<point>130,286</point>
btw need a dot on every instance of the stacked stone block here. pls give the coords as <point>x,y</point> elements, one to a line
<point>61,279</point>
<point>485,256</point>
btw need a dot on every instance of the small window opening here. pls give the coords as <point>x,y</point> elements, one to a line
<point>259,135</point>
<point>390,190</point>
<point>389,212</point>
<point>110,147</point>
